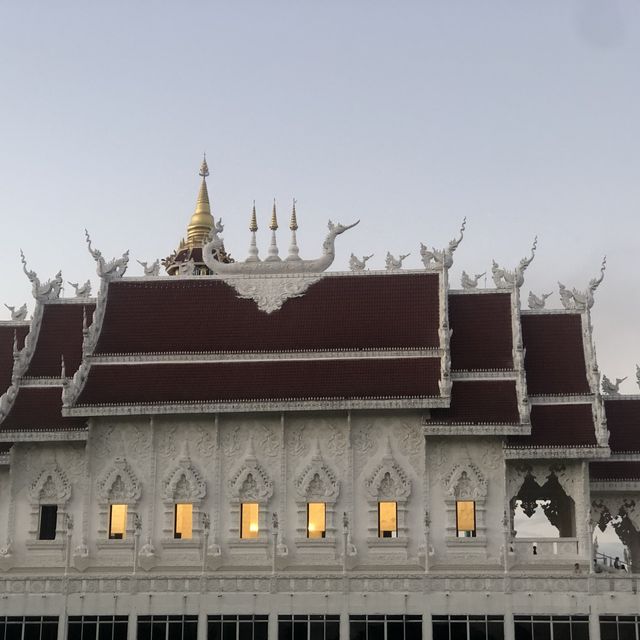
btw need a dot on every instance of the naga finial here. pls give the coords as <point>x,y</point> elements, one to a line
<point>537,302</point>
<point>610,388</point>
<point>50,290</point>
<point>582,300</point>
<point>468,282</point>
<point>115,268</point>
<point>505,279</point>
<point>18,315</point>
<point>395,264</point>
<point>355,264</point>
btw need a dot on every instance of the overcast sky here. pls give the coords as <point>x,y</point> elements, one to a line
<point>522,116</point>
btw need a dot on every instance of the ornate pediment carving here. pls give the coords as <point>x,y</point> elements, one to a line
<point>250,482</point>
<point>465,482</point>
<point>51,485</point>
<point>119,484</point>
<point>389,481</point>
<point>183,481</point>
<point>316,481</point>
<point>270,292</point>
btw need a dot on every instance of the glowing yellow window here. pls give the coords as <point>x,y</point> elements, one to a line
<point>249,520</point>
<point>183,522</point>
<point>466,518</point>
<point>387,520</point>
<point>316,520</point>
<point>118,521</point>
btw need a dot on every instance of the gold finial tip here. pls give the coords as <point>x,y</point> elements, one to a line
<point>204,167</point>
<point>274,219</point>
<point>253,223</point>
<point>293,223</point>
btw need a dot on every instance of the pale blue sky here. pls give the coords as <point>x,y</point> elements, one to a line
<point>523,116</point>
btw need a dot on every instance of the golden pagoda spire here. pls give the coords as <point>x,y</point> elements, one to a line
<point>253,223</point>
<point>201,221</point>
<point>273,225</point>
<point>293,223</point>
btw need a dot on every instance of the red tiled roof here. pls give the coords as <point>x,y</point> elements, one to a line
<point>39,408</point>
<point>338,312</point>
<point>480,402</point>
<point>554,360</point>
<point>610,470</point>
<point>245,381</point>
<point>6,351</point>
<point>60,335</point>
<point>557,425</point>
<point>482,336</point>
<point>623,420</point>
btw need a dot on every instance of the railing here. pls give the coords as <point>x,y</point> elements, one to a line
<point>532,549</point>
<point>604,563</point>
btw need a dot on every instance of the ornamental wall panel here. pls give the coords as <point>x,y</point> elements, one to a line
<point>466,469</point>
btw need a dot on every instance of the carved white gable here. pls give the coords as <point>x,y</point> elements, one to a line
<point>250,482</point>
<point>316,481</point>
<point>119,484</point>
<point>465,482</point>
<point>389,481</point>
<point>51,485</point>
<point>183,482</point>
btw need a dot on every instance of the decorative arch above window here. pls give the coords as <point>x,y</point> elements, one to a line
<point>317,482</point>
<point>50,486</point>
<point>389,481</point>
<point>250,482</point>
<point>465,482</point>
<point>183,482</point>
<point>119,484</point>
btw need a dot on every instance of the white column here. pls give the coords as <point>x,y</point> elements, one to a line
<point>273,625</point>
<point>594,621</point>
<point>132,631</point>
<point>427,626</point>
<point>344,623</point>
<point>509,631</point>
<point>202,622</point>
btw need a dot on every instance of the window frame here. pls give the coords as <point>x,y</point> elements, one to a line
<point>394,532</point>
<point>121,535</point>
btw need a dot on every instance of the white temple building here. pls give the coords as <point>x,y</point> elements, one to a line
<point>263,449</point>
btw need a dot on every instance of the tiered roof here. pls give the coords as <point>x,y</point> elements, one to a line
<point>280,335</point>
<point>32,402</point>
<point>350,340</point>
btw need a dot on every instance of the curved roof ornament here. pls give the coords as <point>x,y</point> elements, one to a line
<point>612,388</point>
<point>537,302</point>
<point>111,270</point>
<point>468,282</point>
<point>50,290</point>
<point>638,375</point>
<point>442,258</point>
<point>255,266</point>
<point>582,300</point>
<point>19,314</point>
<point>505,279</point>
